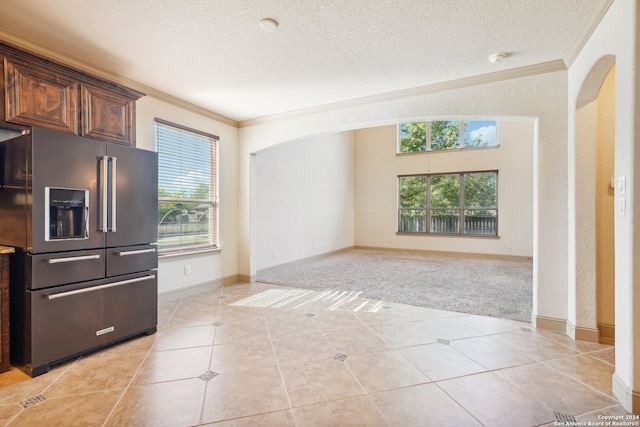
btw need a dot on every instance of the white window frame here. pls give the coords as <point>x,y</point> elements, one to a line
<point>187,238</point>
<point>461,134</point>
<point>428,209</point>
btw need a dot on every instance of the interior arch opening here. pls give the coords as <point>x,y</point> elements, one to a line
<point>595,209</point>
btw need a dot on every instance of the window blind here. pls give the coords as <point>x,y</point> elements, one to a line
<point>187,188</point>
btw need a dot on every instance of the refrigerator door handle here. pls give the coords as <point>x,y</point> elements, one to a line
<point>72,259</point>
<point>97,288</point>
<point>86,222</point>
<point>114,197</point>
<point>104,224</point>
<point>136,252</point>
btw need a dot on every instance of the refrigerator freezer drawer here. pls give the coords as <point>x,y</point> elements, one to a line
<point>71,320</point>
<point>131,259</point>
<point>46,270</point>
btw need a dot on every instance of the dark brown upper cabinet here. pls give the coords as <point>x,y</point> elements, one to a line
<point>38,92</point>
<point>107,115</point>
<point>35,97</point>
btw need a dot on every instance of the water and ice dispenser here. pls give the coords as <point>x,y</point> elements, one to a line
<point>68,211</point>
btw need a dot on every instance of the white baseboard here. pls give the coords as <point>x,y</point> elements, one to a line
<point>199,288</point>
<point>607,334</point>
<point>577,333</point>
<point>580,333</point>
<point>303,260</point>
<point>628,398</point>
<point>447,253</point>
<point>549,323</point>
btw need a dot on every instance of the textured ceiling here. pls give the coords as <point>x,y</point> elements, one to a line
<point>213,54</point>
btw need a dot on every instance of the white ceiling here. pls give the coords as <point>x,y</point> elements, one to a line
<point>213,54</point>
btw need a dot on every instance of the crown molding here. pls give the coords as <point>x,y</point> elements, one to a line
<point>38,50</point>
<point>181,103</point>
<point>587,30</point>
<point>513,73</point>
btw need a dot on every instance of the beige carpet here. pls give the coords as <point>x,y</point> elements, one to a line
<point>488,286</point>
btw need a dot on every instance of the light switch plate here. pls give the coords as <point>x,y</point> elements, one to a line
<point>621,185</point>
<point>621,206</point>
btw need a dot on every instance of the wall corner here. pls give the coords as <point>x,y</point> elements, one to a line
<point>628,398</point>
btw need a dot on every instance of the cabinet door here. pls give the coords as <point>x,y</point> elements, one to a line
<point>107,115</point>
<point>34,97</point>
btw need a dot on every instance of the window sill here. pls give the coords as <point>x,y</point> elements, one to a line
<point>465,236</point>
<point>190,252</point>
<point>449,150</point>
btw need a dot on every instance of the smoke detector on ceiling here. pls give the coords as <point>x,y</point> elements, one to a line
<point>497,58</point>
<point>269,25</point>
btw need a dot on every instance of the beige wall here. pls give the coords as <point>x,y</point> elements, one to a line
<point>378,166</point>
<point>319,194</point>
<point>583,316</point>
<point>605,253</point>
<point>304,198</point>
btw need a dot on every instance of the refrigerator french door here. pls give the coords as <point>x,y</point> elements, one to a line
<point>82,216</point>
<point>121,183</point>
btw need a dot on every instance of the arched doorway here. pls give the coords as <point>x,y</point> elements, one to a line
<point>594,203</point>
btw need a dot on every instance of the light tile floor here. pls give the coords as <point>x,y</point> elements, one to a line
<point>265,355</point>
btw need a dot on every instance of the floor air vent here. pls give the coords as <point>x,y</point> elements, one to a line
<point>309,315</point>
<point>340,356</point>
<point>441,341</point>
<point>32,401</point>
<point>526,330</point>
<point>565,419</point>
<point>217,324</point>
<point>209,375</point>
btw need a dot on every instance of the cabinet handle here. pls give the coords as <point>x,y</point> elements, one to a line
<point>97,288</point>
<point>72,259</point>
<point>136,252</point>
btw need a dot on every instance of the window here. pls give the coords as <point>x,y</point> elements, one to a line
<point>446,135</point>
<point>187,188</point>
<point>460,203</point>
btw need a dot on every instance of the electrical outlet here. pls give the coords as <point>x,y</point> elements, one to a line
<point>187,270</point>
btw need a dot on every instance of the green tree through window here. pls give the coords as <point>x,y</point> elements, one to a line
<point>413,202</point>
<point>445,135</point>
<point>414,137</point>
<point>460,203</point>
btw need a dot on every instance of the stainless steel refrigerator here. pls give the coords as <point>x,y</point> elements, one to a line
<point>82,215</point>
